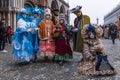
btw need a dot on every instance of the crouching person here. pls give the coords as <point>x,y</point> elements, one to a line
<point>94,53</point>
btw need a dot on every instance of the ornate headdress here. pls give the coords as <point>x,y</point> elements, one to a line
<point>47,11</point>
<point>76,9</point>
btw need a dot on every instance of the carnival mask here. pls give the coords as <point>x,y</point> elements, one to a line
<point>91,31</point>
<point>25,15</point>
<point>47,16</point>
<point>91,35</point>
<point>36,15</point>
<point>61,21</point>
<point>78,14</point>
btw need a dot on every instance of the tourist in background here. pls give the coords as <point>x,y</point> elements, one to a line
<point>106,32</point>
<point>3,34</point>
<point>113,32</point>
<point>9,35</point>
<point>118,27</point>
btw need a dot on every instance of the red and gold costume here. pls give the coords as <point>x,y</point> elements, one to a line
<point>45,33</point>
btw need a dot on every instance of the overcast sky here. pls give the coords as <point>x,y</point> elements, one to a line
<point>94,8</point>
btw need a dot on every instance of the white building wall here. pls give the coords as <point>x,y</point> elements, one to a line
<point>113,16</point>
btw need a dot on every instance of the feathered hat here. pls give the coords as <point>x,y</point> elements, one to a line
<point>62,16</point>
<point>76,9</point>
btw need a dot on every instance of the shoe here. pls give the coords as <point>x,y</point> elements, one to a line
<point>4,51</point>
<point>35,58</point>
<point>61,63</point>
<point>46,58</point>
<point>9,44</point>
<point>53,59</point>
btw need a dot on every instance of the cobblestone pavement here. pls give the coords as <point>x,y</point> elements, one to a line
<point>42,70</point>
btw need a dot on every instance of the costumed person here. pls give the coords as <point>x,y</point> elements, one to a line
<point>36,15</point>
<point>95,60</point>
<point>62,47</point>
<point>23,44</point>
<point>45,33</point>
<point>79,22</point>
<point>22,48</point>
<point>35,20</point>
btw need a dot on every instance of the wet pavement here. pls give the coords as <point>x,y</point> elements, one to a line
<point>42,70</point>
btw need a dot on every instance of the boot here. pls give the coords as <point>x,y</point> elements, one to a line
<point>35,58</point>
<point>46,58</point>
<point>61,63</point>
<point>53,59</point>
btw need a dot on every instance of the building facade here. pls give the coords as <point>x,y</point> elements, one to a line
<point>113,16</point>
<point>10,8</point>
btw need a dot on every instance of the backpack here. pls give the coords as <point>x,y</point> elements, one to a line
<point>9,31</point>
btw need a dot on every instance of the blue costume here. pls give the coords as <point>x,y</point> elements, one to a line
<point>25,39</point>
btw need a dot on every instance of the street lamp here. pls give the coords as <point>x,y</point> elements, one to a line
<point>97,20</point>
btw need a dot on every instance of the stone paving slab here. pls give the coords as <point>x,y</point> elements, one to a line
<point>42,70</point>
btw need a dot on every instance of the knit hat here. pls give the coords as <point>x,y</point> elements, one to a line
<point>62,16</point>
<point>47,11</point>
